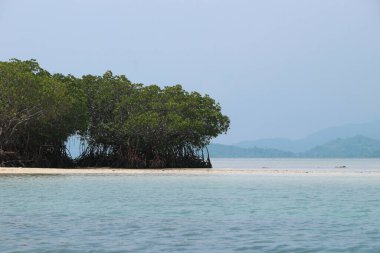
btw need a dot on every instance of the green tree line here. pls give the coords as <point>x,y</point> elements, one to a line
<point>120,123</point>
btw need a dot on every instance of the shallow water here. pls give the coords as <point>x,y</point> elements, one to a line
<point>351,164</point>
<point>190,213</point>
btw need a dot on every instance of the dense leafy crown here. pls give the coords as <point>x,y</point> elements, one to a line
<point>120,123</point>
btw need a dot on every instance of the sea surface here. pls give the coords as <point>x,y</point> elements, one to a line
<point>332,164</point>
<point>195,213</point>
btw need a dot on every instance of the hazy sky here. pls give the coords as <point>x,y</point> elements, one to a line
<point>278,67</point>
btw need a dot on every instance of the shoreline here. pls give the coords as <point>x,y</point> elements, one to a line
<point>181,171</point>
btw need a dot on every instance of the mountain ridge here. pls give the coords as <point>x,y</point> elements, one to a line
<point>229,151</point>
<point>369,129</point>
<point>354,147</point>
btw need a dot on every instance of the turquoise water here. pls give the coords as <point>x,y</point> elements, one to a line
<point>190,213</point>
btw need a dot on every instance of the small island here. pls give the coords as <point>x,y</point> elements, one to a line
<point>120,124</point>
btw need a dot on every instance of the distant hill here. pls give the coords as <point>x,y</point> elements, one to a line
<point>275,143</point>
<point>370,130</point>
<point>227,151</point>
<point>355,147</point>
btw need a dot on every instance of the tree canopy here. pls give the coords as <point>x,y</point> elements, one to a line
<point>121,124</point>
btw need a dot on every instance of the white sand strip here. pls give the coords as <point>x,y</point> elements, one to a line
<point>34,171</point>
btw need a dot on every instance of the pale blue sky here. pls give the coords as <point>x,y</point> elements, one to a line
<point>278,67</point>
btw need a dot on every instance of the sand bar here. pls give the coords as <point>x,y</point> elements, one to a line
<point>178,171</point>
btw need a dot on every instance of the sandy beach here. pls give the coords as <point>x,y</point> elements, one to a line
<point>182,171</point>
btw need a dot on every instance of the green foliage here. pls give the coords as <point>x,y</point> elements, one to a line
<point>123,124</point>
<point>37,113</point>
<point>146,126</point>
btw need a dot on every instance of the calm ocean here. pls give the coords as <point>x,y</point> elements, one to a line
<point>195,213</point>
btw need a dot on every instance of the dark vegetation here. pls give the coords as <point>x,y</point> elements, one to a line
<point>120,123</point>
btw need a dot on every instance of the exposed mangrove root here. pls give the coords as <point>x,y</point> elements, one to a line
<point>133,159</point>
<point>56,157</point>
<point>44,157</point>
